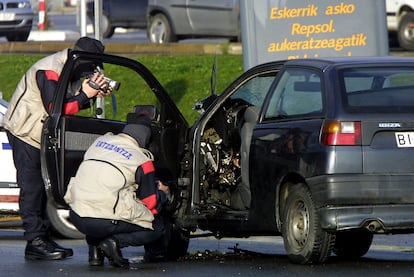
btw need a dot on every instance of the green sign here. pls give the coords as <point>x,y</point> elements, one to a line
<point>291,29</point>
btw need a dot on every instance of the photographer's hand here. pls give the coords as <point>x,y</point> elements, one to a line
<point>107,92</point>
<point>91,87</point>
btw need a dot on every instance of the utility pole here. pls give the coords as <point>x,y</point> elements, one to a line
<point>100,101</point>
<point>82,17</point>
<point>98,19</point>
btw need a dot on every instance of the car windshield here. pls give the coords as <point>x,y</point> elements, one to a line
<point>384,90</point>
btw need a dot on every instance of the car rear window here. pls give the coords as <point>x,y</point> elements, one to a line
<point>384,90</point>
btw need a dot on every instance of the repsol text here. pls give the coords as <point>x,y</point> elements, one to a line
<point>308,30</point>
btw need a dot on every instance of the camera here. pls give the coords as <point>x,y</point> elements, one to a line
<point>109,83</point>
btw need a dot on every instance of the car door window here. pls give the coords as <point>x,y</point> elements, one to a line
<point>132,89</point>
<point>298,93</point>
<point>254,90</point>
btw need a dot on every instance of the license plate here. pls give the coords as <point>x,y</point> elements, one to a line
<point>7,16</point>
<point>404,139</point>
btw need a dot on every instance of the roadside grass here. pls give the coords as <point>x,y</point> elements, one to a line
<point>185,77</point>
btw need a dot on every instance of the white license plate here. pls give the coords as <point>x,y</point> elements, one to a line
<point>405,139</point>
<point>7,16</point>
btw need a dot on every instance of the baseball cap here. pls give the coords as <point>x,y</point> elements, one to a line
<point>88,44</point>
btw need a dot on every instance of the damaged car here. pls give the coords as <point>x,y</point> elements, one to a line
<point>318,151</point>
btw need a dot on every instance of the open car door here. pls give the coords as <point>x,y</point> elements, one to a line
<point>66,137</point>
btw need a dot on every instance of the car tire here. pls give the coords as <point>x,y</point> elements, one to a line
<point>406,31</point>
<point>351,245</point>
<point>59,219</point>
<point>178,242</point>
<point>18,36</point>
<point>305,241</point>
<point>107,29</point>
<point>159,30</point>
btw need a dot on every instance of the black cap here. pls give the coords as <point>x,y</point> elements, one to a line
<point>88,44</point>
<point>140,131</point>
<point>86,67</point>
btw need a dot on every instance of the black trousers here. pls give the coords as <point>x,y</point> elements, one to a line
<point>127,234</point>
<point>33,199</point>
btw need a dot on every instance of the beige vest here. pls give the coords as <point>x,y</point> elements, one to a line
<point>104,184</point>
<point>26,113</point>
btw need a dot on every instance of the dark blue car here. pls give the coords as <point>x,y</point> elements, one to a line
<point>318,151</point>
<point>120,13</point>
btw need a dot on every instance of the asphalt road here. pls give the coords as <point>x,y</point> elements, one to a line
<point>69,22</point>
<point>256,256</point>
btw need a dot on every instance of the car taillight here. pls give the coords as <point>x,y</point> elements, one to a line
<point>341,133</point>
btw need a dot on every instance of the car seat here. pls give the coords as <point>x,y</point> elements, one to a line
<point>241,197</point>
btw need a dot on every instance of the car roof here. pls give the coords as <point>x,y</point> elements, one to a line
<point>323,63</point>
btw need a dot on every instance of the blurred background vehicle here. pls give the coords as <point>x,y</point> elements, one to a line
<point>400,22</point>
<point>16,19</point>
<point>120,13</point>
<point>169,21</point>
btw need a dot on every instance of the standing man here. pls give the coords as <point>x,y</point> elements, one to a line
<point>115,197</point>
<point>29,106</point>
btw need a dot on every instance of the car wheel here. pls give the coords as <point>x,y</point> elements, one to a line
<point>393,39</point>
<point>59,218</point>
<point>18,36</point>
<point>178,241</point>
<point>305,241</point>
<point>352,245</point>
<point>406,31</point>
<point>107,29</point>
<point>159,30</point>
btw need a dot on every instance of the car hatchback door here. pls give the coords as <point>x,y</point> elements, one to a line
<point>383,99</point>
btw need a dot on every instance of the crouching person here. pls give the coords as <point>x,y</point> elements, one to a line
<point>115,197</point>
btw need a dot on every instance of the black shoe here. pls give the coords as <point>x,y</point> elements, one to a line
<point>42,249</point>
<point>68,252</point>
<point>96,256</point>
<point>110,248</point>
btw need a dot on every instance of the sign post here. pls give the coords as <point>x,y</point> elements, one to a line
<point>42,25</point>
<point>291,29</point>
